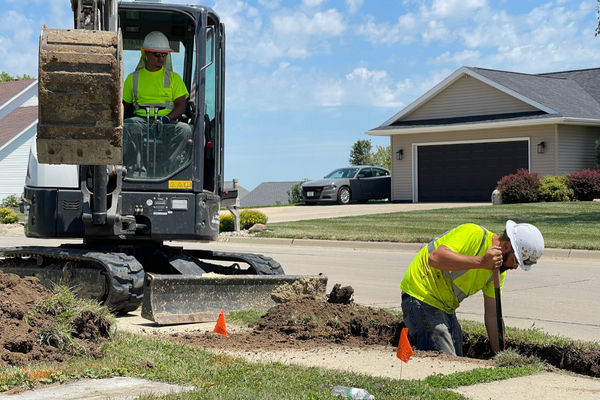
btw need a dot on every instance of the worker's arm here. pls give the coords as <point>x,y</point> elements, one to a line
<point>179,109</point>
<point>126,106</point>
<point>447,260</point>
<point>491,322</point>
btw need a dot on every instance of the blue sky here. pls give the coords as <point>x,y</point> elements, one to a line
<point>306,78</point>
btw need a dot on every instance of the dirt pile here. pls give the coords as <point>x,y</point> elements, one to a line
<point>308,323</point>
<point>23,325</point>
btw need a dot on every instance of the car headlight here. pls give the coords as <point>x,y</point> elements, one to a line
<point>332,186</point>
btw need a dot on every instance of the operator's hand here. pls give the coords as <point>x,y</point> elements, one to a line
<point>492,258</point>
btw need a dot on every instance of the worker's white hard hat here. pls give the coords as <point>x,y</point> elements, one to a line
<point>156,41</point>
<point>527,242</point>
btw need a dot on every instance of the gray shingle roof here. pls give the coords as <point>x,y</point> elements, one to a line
<point>561,92</point>
<point>571,94</point>
<point>268,194</point>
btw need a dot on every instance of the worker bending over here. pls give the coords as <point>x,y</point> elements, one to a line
<point>457,265</point>
<point>155,143</point>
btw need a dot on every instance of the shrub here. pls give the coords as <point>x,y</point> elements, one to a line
<point>248,218</point>
<point>555,188</point>
<point>585,184</point>
<point>521,187</point>
<point>226,223</point>
<point>295,191</point>
<point>11,201</point>
<point>8,216</point>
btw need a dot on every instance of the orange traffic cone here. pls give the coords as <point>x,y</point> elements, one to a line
<point>220,328</point>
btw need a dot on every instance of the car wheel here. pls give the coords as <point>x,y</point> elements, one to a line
<point>310,203</point>
<point>343,195</point>
<point>365,201</point>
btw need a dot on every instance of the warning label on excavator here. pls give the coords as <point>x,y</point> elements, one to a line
<point>180,184</point>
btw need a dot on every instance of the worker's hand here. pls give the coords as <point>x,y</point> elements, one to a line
<point>165,119</point>
<point>492,258</point>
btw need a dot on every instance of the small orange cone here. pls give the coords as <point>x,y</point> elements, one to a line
<point>220,328</point>
<point>405,351</point>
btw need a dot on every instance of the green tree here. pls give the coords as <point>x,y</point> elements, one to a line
<point>382,157</point>
<point>294,192</point>
<point>5,77</point>
<point>360,154</point>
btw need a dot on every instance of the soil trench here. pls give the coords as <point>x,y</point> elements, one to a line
<point>303,323</point>
<point>308,323</point>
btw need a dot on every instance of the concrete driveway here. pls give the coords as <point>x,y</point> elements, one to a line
<point>302,212</point>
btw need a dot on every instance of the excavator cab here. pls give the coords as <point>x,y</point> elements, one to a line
<point>136,182</point>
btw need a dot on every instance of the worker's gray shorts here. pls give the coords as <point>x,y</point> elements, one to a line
<point>431,327</point>
<point>140,141</point>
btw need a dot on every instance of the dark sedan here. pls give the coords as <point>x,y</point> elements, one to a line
<point>361,183</point>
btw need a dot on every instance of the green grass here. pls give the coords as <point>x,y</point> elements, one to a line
<point>573,225</point>
<point>224,377</point>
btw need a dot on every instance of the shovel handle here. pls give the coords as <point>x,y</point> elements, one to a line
<point>499,319</point>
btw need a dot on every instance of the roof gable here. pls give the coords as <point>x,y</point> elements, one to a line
<point>474,96</point>
<point>465,97</point>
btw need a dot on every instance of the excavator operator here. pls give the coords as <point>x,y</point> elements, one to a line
<point>155,144</point>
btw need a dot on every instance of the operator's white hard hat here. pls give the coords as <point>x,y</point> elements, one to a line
<point>156,41</point>
<point>527,242</point>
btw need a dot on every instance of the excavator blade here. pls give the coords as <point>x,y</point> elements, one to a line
<point>80,107</point>
<point>180,299</point>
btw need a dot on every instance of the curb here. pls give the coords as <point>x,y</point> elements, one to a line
<point>566,254</point>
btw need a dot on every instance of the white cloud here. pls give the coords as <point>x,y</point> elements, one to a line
<point>354,5</point>
<point>403,31</point>
<point>328,23</point>
<point>461,58</point>
<point>272,4</point>
<point>313,3</point>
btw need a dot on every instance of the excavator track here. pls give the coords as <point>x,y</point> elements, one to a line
<point>115,279</point>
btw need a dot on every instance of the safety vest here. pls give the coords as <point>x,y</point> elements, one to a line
<point>455,275</point>
<point>445,290</point>
<point>167,84</point>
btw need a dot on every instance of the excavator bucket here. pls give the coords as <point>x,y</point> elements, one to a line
<point>180,299</point>
<point>80,97</point>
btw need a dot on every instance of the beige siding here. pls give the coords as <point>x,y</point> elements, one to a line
<point>577,148</point>
<point>468,97</point>
<point>402,171</point>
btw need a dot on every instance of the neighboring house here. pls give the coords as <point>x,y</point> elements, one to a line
<point>18,124</point>
<point>268,194</point>
<point>459,139</point>
<point>242,192</point>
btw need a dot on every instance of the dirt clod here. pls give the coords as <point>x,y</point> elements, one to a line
<point>21,323</point>
<point>341,295</point>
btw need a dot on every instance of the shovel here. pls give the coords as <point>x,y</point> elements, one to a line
<point>499,319</point>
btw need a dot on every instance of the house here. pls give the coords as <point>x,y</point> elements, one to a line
<point>455,142</point>
<point>18,124</point>
<point>268,194</point>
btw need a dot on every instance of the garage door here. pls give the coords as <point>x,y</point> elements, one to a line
<point>467,172</point>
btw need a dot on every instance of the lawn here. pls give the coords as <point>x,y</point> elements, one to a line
<point>568,225</point>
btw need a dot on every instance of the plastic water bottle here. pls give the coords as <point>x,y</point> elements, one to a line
<point>351,393</point>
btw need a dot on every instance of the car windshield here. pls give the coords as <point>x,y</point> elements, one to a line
<point>342,173</point>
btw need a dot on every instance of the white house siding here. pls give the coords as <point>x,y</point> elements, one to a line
<point>13,164</point>
<point>577,148</point>
<point>468,97</point>
<point>402,171</point>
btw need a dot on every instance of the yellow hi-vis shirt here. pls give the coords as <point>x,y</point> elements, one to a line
<point>153,89</point>
<point>446,289</point>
